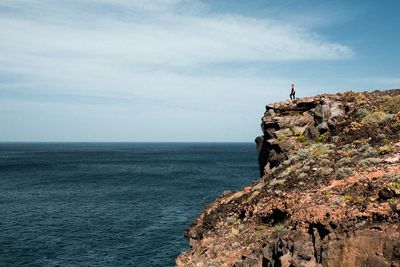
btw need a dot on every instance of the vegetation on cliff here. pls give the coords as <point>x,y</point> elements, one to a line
<point>329,194</point>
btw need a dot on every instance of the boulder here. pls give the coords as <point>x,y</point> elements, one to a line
<point>322,113</point>
<point>311,132</point>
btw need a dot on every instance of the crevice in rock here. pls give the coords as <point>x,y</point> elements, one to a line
<point>276,217</point>
<point>304,106</point>
<point>311,233</point>
<point>276,254</point>
<point>271,125</point>
<point>263,156</point>
<point>332,225</point>
<point>242,214</point>
<point>322,232</point>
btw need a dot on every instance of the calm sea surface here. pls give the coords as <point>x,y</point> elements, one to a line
<point>110,204</point>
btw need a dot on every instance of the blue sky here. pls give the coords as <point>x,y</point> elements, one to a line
<point>180,70</point>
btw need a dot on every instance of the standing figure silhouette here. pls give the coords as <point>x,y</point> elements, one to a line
<point>292,92</point>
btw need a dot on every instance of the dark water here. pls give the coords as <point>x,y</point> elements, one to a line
<point>121,204</point>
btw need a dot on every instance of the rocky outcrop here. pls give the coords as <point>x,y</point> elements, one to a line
<point>284,123</point>
<point>329,194</point>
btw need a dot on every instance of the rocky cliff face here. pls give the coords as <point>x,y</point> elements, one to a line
<point>307,117</point>
<point>329,192</point>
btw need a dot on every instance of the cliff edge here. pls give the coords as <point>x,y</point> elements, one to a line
<point>329,192</point>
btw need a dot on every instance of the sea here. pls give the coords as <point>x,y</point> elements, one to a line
<point>110,204</point>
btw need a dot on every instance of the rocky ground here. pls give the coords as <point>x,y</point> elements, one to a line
<point>329,194</point>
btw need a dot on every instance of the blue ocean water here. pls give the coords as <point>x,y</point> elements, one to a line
<point>110,204</point>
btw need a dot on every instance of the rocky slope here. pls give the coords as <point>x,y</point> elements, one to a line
<point>329,194</point>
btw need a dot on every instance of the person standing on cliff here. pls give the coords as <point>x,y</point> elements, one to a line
<point>292,92</point>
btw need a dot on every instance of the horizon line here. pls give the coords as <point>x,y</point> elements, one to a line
<point>176,142</point>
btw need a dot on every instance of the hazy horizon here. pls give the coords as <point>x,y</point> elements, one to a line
<point>181,70</point>
<point>128,142</point>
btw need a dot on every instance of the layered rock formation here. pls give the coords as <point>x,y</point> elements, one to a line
<point>309,117</point>
<point>329,192</point>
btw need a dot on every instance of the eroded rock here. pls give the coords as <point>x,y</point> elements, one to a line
<point>329,194</point>
<point>286,121</point>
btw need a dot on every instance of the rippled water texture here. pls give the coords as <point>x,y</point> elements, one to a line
<point>124,204</point>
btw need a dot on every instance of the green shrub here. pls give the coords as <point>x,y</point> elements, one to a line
<point>282,138</point>
<point>361,113</point>
<point>319,151</point>
<point>248,200</point>
<point>369,161</point>
<point>395,126</point>
<point>344,161</point>
<point>386,149</point>
<point>297,132</point>
<point>325,162</point>
<point>387,119</point>
<point>302,175</point>
<point>278,228</point>
<point>395,187</point>
<point>392,105</point>
<point>350,96</point>
<point>343,172</point>
<point>347,197</point>
<point>301,138</point>
<point>324,171</point>
<point>360,199</point>
<point>323,138</point>
<point>374,119</point>
<point>367,151</point>
<point>305,168</point>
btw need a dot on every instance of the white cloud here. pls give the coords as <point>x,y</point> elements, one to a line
<point>169,39</point>
<point>56,47</point>
<point>160,52</point>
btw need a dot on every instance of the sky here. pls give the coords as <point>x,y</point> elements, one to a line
<point>181,70</point>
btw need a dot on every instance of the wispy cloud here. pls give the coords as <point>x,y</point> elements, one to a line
<point>96,43</point>
<point>148,59</point>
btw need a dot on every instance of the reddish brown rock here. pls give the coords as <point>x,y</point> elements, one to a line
<point>329,199</point>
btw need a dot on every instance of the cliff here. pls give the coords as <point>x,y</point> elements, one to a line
<point>328,193</point>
